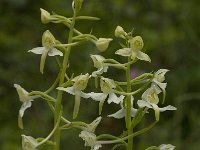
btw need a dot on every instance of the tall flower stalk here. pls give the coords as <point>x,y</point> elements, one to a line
<point>121,93</point>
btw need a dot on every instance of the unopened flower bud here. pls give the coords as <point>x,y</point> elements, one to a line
<point>45,16</point>
<point>103,43</point>
<point>136,43</point>
<point>119,32</point>
<point>76,5</point>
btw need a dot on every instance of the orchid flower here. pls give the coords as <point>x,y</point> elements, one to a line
<point>162,147</point>
<point>103,43</point>
<point>80,83</point>
<point>159,77</point>
<point>93,125</point>
<point>29,143</point>
<point>119,32</point>
<point>98,63</point>
<point>26,100</point>
<point>88,134</point>
<point>90,140</point>
<point>150,99</point>
<point>136,45</point>
<point>48,43</point>
<point>107,87</point>
<point>122,112</point>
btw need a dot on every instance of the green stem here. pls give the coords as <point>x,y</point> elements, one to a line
<point>52,132</point>
<point>42,95</point>
<point>129,136</point>
<point>128,107</point>
<point>62,77</point>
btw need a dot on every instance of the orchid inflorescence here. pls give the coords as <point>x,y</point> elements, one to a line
<point>121,93</point>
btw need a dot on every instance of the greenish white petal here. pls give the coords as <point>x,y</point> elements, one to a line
<point>107,85</point>
<point>23,94</point>
<point>97,96</point>
<point>69,90</point>
<point>119,32</point>
<point>100,71</point>
<point>157,111</point>
<point>143,103</point>
<point>169,107</point>
<point>124,52</point>
<point>114,98</point>
<point>97,60</point>
<point>166,147</point>
<point>142,56</point>
<point>136,43</point>
<point>103,43</point>
<point>48,40</point>
<point>90,140</point>
<point>92,126</point>
<point>29,143</point>
<point>81,81</point>
<point>55,52</point>
<point>24,106</point>
<point>150,95</point>
<point>160,74</point>
<point>85,95</point>
<point>119,114</point>
<point>45,16</point>
<point>38,50</point>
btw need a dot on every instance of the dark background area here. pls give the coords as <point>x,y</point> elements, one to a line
<point>171,34</point>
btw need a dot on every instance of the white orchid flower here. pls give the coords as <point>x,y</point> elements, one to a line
<point>80,83</point>
<point>98,63</point>
<point>29,143</point>
<point>90,140</point>
<point>122,112</point>
<point>136,45</point>
<point>157,82</point>
<point>103,43</point>
<point>93,125</point>
<point>26,100</point>
<point>48,43</point>
<point>162,147</point>
<point>150,99</point>
<point>119,32</point>
<point>107,87</point>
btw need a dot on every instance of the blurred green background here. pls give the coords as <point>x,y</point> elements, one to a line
<point>171,33</point>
